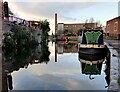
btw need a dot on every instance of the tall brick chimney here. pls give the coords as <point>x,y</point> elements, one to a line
<point>56,26</point>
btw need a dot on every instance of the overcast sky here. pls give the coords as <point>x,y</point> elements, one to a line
<point>74,11</point>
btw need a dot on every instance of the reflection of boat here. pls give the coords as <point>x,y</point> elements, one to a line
<point>91,46</point>
<point>61,38</point>
<point>91,67</point>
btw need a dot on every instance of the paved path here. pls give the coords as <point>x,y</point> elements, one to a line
<point>116,44</point>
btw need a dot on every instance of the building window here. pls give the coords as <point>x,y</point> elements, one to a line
<point>66,26</point>
<point>115,26</point>
<point>108,28</point>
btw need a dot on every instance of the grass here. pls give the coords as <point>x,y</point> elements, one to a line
<point>118,50</point>
<point>111,38</point>
<point>119,80</point>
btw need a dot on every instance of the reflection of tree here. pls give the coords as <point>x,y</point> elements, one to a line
<point>17,57</point>
<point>22,56</point>
<point>45,53</point>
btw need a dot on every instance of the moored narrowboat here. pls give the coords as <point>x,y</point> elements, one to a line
<point>91,46</point>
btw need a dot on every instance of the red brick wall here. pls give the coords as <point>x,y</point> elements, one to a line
<point>113,27</point>
<point>73,26</point>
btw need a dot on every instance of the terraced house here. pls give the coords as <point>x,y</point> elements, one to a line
<point>113,28</point>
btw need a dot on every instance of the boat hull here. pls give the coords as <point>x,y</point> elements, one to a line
<point>92,53</point>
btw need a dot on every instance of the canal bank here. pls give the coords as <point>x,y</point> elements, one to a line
<point>114,62</point>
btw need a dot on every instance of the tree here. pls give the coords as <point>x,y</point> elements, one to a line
<point>45,29</point>
<point>45,25</point>
<point>86,21</point>
<point>98,23</point>
<point>91,20</point>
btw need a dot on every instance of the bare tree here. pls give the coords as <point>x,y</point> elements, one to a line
<point>91,20</point>
<point>98,23</point>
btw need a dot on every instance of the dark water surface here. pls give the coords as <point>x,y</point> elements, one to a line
<point>63,71</point>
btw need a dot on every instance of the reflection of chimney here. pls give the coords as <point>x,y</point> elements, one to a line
<point>56,23</point>
<point>10,81</point>
<point>55,53</point>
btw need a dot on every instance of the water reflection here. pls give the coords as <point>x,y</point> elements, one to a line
<point>91,67</point>
<point>107,69</point>
<point>94,66</point>
<point>16,58</point>
<point>65,47</point>
<point>67,72</point>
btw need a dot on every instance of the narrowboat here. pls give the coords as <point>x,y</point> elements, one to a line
<point>91,46</point>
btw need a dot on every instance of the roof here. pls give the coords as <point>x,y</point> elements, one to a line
<point>114,18</point>
<point>75,23</point>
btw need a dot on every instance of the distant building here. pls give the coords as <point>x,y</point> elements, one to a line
<point>61,28</point>
<point>74,28</point>
<point>34,24</point>
<point>113,28</point>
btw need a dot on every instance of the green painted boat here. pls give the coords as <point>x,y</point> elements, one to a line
<point>92,46</point>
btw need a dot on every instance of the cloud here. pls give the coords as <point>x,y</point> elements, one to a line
<point>47,10</point>
<point>42,10</point>
<point>72,12</point>
<point>62,0</point>
<point>119,8</point>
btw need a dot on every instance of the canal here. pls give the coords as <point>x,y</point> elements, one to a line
<point>54,67</point>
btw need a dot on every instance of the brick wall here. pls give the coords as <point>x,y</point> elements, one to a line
<point>113,27</point>
<point>73,26</point>
<point>76,27</point>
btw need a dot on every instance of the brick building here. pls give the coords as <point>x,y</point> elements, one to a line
<point>34,24</point>
<point>73,28</point>
<point>61,28</point>
<point>113,28</point>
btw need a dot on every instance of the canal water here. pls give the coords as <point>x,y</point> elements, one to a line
<point>59,69</point>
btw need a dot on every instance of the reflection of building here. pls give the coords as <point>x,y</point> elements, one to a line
<point>62,47</point>
<point>113,28</point>
<point>56,51</point>
<point>67,48</point>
